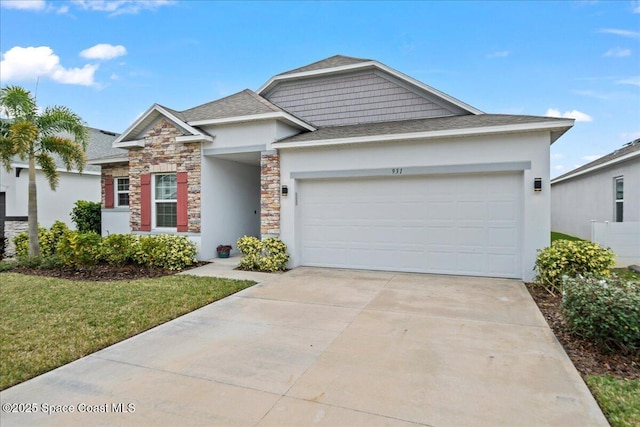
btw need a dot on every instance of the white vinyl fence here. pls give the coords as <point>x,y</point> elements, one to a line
<point>622,237</point>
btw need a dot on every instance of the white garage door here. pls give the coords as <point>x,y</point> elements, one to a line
<point>450,224</point>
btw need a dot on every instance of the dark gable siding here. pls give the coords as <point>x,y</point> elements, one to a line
<point>347,99</point>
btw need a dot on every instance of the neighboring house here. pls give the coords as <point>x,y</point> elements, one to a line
<point>352,164</point>
<point>52,205</point>
<point>605,191</point>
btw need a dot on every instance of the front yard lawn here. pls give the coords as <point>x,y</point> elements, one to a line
<point>47,322</point>
<point>618,398</point>
<point>560,236</point>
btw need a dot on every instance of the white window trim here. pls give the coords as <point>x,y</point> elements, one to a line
<point>118,192</point>
<point>154,201</point>
<point>617,201</point>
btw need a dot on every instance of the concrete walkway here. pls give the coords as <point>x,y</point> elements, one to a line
<point>330,347</point>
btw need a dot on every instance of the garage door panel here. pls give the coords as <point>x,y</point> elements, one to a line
<point>463,224</point>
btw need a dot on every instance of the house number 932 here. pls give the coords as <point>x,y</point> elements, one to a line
<point>396,171</point>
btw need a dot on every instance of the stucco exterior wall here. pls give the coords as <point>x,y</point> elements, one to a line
<point>230,203</point>
<point>52,205</point>
<point>533,147</point>
<point>577,201</point>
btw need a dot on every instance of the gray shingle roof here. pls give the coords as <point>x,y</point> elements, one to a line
<point>243,103</point>
<point>331,62</point>
<point>628,148</point>
<point>418,125</point>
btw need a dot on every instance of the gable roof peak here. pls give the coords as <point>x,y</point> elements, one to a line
<point>330,62</point>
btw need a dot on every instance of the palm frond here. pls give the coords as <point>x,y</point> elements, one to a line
<point>6,152</point>
<point>61,119</point>
<point>69,151</point>
<point>23,134</point>
<point>48,168</point>
<point>17,103</point>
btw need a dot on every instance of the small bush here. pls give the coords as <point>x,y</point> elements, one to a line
<point>570,258</point>
<point>3,247</point>
<point>87,216</point>
<point>79,250</point>
<point>177,252</point>
<point>164,251</point>
<point>605,311</point>
<point>117,249</point>
<point>268,255</point>
<point>48,240</point>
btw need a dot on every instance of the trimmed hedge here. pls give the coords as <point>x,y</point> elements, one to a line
<point>86,249</point>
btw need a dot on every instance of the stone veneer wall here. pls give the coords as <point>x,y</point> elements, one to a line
<point>110,172</point>
<point>11,230</point>
<point>161,153</point>
<point>269,194</point>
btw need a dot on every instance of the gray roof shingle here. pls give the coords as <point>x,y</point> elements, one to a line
<point>417,125</point>
<point>331,62</point>
<point>628,148</point>
<point>243,103</point>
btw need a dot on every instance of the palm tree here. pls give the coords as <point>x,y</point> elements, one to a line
<point>36,136</point>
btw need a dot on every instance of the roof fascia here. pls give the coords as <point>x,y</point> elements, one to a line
<point>62,170</point>
<point>108,161</point>
<point>597,167</point>
<point>364,65</point>
<point>278,115</point>
<point>524,127</point>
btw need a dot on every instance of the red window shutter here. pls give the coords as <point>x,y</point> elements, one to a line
<point>182,216</point>
<point>108,193</point>
<point>145,202</point>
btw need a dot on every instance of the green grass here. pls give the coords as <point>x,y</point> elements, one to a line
<point>559,236</point>
<point>618,398</point>
<point>47,322</point>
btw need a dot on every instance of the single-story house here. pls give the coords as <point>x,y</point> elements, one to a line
<point>600,201</point>
<point>352,164</point>
<point>52,205</point>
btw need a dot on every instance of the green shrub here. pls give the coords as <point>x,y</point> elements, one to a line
<point>79,250</point>
<point>605,311</point>
<point>87,216</point>
<point>21,243</point>
<point>570,258</point>
<point>250,247</point>
<point>178,252</point>
<point>48,240</point>
<point>267,255</point>
<point>164,251</point>
<point>117,249</point>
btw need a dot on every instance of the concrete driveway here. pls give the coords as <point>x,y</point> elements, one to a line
<point>329,347</point>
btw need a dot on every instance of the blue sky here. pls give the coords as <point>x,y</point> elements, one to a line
<point>111,60</point>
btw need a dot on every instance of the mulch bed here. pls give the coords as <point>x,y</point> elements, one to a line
<point>101,273</point>
<point>586,357</point>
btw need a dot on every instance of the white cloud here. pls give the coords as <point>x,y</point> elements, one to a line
<point>104,51</point>
<point>618,52</point>
<point>591,157</point>
<point>29,63</point>
<point>559,168</point>
<point>62,10</point>
<point>23,4</point>
<point>579,116</point>
<point>635,81</point>
<point>557,156</point>
<point>636,6</point>
<point>499,54</point>
<point>623,33</point>
<point>121,7</point>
